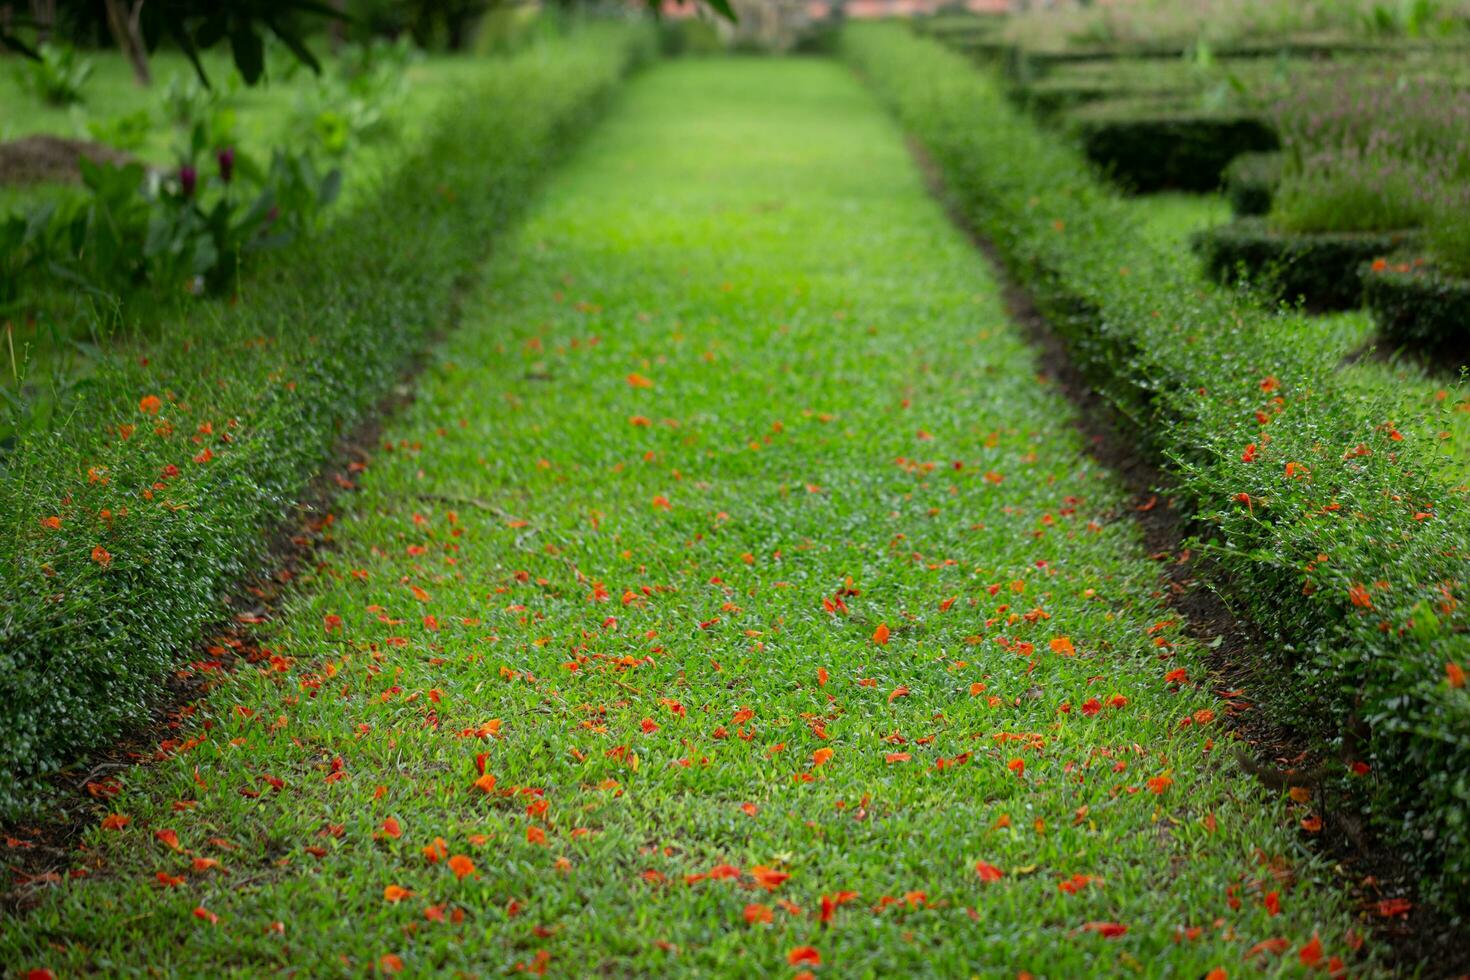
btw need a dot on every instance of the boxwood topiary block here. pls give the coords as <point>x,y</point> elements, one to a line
<point>1250,182</point>
<point>1035,62</point>
<point>1415,302</point>
<point>1321,267</point>
<point>1050,96</point>
<point>1150,146</point>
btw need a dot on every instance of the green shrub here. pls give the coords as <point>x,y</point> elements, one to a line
<point>1320,268</point>
<point>689,35</point>
<point>154,488</point>
<point>1250,182</point>
<point>187,233</point>
<point>186,102</point>
<point>58,76</point>
<point>1324,515</point>
<point>1149,145</point>
<point>126,132</point>
<point>1415,303</point>
<point>1447,231</point>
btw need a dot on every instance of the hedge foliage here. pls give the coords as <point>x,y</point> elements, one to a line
<point>155,488</point>
<point>1321,268</point>
<point>1336,528</point>
<point>1152,144</point>
<point>1250,183</point>
<point>1418,303</point>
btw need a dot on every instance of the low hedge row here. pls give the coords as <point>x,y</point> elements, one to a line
<point>1250,182</point>
<point>1150,144</point>
<point>1415,303</point>
<point>155,488</point>
<point>1028,63</point>
<point>1320,268</point>
<point>1323,509</point>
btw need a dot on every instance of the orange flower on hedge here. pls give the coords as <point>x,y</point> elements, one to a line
<point>756,913</point>
<point>102,556</point>
<point>51,523</point>
<point>1108,930</point>
<point>804,954</point>
<point>150,404</point>
<point>461,866</point>
<point>768,878</point>
<point>1454,674</point>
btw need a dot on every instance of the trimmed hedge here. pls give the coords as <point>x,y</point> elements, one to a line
<point>1326,521</point>
<point>1055,94</point>
<point>1031,63</point>
<point>1318,267</point>
<point>1250,183</point>
<point>958,28</point>
<point>155,488</point>
<point>1418,304</point>
<point>1149,145</point>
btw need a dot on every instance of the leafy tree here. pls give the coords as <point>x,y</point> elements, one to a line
<point>196,25</point>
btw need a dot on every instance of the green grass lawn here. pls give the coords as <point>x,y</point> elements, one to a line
<point>1173,216</point>
<point>736,536</point>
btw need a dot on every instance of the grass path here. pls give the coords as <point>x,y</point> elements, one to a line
<point>735,537</point>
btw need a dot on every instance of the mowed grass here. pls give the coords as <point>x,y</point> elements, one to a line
<point>736,536</point>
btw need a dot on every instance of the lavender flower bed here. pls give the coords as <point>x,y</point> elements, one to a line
<point>1378,152</point>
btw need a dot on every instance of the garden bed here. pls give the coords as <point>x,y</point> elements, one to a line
<point>1415,303</point>
<point>1250,182</point>
<point>1033,63</point>
<point>1149,145</point>
<point>1320,268</point>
